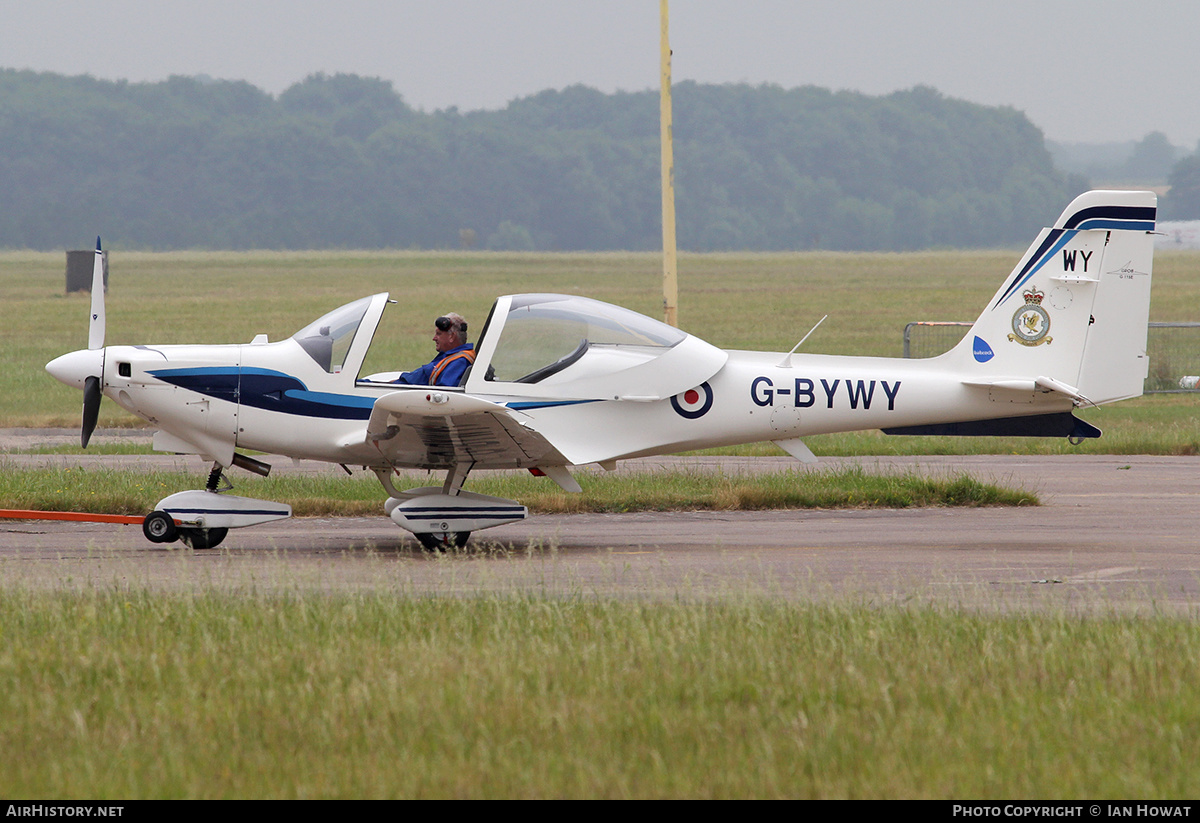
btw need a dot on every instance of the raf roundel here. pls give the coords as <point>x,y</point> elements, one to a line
<point>693,403</point>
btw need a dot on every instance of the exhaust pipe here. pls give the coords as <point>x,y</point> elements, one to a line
<point>251,465</point>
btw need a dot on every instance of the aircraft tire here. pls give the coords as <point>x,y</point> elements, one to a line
<point>440,541</point>
<point>159,527</point>
<point>202,538</point>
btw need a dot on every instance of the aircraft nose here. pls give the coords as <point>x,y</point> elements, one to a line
<point>76,367</point>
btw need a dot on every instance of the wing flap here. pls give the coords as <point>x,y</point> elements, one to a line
<point>439,430</point>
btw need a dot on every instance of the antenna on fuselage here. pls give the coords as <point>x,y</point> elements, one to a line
<point>787,358</point>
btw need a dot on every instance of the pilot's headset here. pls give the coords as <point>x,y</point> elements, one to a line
<point>444,323</point>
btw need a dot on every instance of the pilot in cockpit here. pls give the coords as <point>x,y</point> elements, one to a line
<point>455,355</point>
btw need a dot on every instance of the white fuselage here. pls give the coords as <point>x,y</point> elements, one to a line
<point>754,398</point>
<point>266,397</point>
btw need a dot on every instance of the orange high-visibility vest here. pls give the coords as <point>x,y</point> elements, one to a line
<point>468,355</point>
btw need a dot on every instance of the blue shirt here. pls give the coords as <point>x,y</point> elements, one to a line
<point>450,376</point>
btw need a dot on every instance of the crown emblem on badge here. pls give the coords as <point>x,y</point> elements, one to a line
<point>1033,297</point>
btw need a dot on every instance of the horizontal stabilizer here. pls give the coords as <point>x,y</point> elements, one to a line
<point>1041,383</point>
<point>1062,424</point>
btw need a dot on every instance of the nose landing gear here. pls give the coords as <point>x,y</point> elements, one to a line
<point>201,519</point>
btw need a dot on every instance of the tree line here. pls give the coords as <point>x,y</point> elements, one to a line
<point>341,161</point>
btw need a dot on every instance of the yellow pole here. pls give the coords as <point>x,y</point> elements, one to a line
<point>670,288</point>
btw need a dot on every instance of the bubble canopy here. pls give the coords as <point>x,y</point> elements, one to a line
<point>555,345</point>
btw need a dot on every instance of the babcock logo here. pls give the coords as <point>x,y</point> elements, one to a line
<point>982,351</point>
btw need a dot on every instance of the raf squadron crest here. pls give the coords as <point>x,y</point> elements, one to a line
<point>1031,322</point>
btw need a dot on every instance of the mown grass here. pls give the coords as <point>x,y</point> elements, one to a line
<point>749,301</point>
<point>116,491</point>
<point>96,447</point>
<point>129,694</point>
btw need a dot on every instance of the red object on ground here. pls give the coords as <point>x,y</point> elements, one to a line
<point>31,514</point>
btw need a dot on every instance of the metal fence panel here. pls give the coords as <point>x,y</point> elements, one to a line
<point>1174,350</point>
<point>929,338</point>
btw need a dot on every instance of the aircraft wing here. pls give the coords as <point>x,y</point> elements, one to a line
<point>432,429</point>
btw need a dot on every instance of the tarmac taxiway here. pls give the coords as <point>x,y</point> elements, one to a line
<point>1112,533</point>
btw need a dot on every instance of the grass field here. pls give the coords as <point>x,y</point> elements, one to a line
<point>111,491</point>
<point>126,694</point>
<point>753,301</point>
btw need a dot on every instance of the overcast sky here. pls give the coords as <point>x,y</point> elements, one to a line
<point>1082,70</point>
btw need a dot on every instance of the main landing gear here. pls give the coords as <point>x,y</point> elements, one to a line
<point>443,518</point>
<point>442,541</point>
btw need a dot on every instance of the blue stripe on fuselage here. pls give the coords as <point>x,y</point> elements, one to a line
<point>279,392</point>
<point>268,390</point>
<point>524,405</point>
<point>220,382</point>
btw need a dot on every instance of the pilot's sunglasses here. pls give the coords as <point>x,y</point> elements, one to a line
<point>445,324</point>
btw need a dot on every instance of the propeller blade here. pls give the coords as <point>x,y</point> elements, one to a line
<point>96,323</point>
<point>91,408</point>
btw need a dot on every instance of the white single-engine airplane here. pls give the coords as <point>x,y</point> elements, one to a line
<point>562,381</point>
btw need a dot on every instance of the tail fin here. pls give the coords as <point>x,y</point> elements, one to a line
<point>1072,316</point>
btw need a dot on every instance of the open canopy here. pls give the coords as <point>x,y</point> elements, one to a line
<point>338,341</point>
